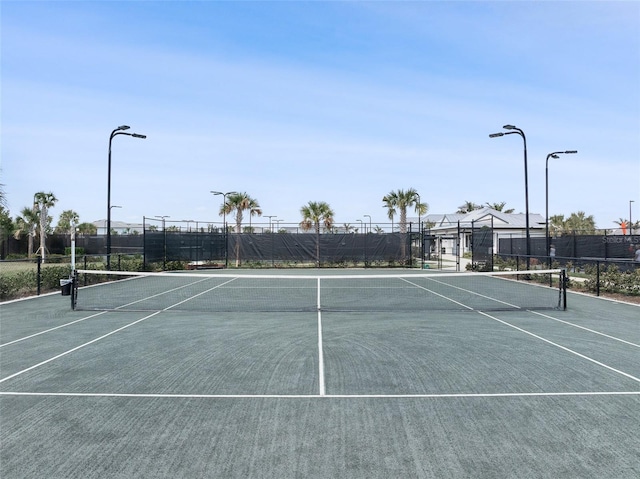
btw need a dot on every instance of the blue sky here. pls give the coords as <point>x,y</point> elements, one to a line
<point>340,102</point>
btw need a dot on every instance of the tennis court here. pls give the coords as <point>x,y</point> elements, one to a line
<point>298,375</point>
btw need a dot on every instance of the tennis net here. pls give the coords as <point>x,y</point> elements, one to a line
<point>133,291</point>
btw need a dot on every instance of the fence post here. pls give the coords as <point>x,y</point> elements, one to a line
<point>38,274</point>
<point>597,278</point>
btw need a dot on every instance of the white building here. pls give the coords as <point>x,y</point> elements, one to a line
<point>455,229</point>
<point>118,227</point>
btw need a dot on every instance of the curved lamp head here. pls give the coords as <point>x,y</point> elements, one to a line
<point>123,127</point>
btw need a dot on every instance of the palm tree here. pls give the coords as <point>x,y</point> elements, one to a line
<point>401,200</point>
<point>3,196</point>
<point>581,223</point>
<point>467,207</point>
<point>557,225</point>
<point>240,202</point>
<point>624,225</point>
<point>42,202</point>
<point>87,229</point>
<point>500,207</point>
<point>67,221</point>
<point>27,224</point>
<point>313,214</point>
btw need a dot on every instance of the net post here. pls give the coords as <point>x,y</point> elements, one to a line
<point>564,279</point>
<point>74,288</point>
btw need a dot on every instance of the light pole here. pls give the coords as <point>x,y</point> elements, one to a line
<point>420,231</point>
<point>630,221</point>
<point>114,133</point>
<point>369,216</point>
<point>364,228</point>
<point>224,222</point>
<point>546,195</point>
<point>164,234</point>
<point>270,216</point>
<point>518,131</point>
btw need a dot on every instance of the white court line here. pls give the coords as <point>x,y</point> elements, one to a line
<point>52,329</point>
<point>102,337</point>
<point>475,293</point>
<point>103,312</point>
<point>321,385</point>
<point>171,291</point>
<point>76,348</point>
<point>326,396</point>
<point>437,294</point>
<point>561,347</point>
<point>587,329</point>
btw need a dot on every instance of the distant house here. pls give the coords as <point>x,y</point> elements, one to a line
<point>118,227</point>
<point>455,229</point>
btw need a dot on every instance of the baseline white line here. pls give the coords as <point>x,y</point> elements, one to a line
<point>586,329</point>
<point>76,348</point>
<point>561,347</point>
<point>326,396</point>
<point>321,385</point>
<point>52,329</point>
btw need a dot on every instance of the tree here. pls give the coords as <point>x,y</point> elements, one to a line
<point>401,200</point>
<point>313,214</point>
<point>557,225</point>
<point>6,229</point>
<point>27,224</point>
<point>240,202</point>
<point>577,223</point>
<point>467,207</point>
<point>500,207</point>
<point>87,229</point>
<point>624,225</point>
<point>581,223</point>
<point>42,202</point>
<point>67,221</point>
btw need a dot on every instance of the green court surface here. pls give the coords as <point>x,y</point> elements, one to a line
<point>384,393</point>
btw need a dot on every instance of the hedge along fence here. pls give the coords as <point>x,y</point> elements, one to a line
<point>30,277</point>
<point>21,278</point>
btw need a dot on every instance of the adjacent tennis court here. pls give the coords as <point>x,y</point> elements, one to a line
<point>320,375</point>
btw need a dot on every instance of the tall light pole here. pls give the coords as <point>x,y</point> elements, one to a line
<point>369,216</point>
<point>518,131</point>
<point>546,195</point>
<point>114,133</point>
<point>419,232</point>
<point>630,221</point>
<point>224,222</point>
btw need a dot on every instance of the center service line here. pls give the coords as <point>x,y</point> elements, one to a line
<point>320,354</point>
